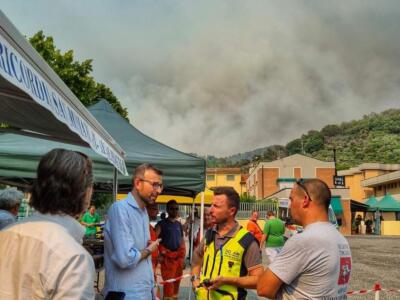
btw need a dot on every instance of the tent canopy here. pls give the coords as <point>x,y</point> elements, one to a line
<point>388,203</point>
<point>183,174</point>
<point>35,101</point>
<point>358,206</point>
<point>372,202</point>
<point>336,204</point>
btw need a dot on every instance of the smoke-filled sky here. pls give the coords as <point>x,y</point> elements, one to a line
<point>222,77</point>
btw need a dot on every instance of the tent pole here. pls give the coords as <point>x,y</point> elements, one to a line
<point>192,235</point>
<point>115,184</point>
<point>191,243</point>
<point>202,215</point>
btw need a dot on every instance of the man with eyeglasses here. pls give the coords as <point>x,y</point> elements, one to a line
<point>316,263</point>
<point>172,250</point>
<point>127,241</point>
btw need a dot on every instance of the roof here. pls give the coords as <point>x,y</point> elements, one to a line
<point>371,201</point>
<point>388,203</point>
<point>224,171</point>
<point>381,179</point>
<point>369,166</point>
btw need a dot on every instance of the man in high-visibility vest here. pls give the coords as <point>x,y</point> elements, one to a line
<point>229,256</point>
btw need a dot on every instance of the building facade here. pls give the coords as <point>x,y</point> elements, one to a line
<point>232,177</point>
<point>267,178</point>
<point>355,176</point>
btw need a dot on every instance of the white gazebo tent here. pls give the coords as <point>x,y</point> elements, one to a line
<point>35,101</point>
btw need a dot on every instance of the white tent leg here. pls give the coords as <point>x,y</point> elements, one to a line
<point>115,185</point>
<point>191,242</point>
<point>202,216</point>
<point>192,235</point>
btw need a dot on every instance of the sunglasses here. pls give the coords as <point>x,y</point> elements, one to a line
<point>300,183</point>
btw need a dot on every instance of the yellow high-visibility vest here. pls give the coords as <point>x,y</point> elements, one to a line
<point>226,261</point>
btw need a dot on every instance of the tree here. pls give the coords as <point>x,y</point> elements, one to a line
<point>315,142</point>
<point>331,130</point>
<point>247,198</point>
<point>294,147</point>
<point>76,75</point>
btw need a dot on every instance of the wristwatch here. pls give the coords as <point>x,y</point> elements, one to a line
<point>194,277</point>
<point>148,252</point>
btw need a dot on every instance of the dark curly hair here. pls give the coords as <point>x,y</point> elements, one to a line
<point>63,178</point>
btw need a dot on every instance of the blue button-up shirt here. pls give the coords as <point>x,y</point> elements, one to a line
<point>6,218</point>
<point>126,233</point>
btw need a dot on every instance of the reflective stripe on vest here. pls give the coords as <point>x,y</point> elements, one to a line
<point>227,261</point>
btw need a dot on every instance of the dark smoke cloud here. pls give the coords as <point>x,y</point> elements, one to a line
<point>222,77</point>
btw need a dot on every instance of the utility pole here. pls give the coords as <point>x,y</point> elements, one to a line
<point>334,161</point>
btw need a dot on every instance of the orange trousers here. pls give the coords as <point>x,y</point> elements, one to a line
<point>172,267</point>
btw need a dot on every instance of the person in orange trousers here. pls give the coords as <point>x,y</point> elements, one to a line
<point>172,250</point>
<point>152,211</point>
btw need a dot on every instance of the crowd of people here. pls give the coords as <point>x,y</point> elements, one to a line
<point>42,256</point>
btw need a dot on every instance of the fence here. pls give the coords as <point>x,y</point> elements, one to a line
<point>376,293</point>
<point>245,209</point>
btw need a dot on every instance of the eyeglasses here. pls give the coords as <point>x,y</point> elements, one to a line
<point>300,183</point>
<point>155,185</point>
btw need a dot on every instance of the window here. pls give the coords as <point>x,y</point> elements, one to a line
<point>230,177</point>
<point>210,177</point>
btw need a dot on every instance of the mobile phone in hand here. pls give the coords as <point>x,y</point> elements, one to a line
<point>112,295</point>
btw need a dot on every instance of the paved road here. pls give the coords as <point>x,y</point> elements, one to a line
<point>375,259</point>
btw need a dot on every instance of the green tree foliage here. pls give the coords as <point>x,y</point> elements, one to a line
<point>294,147</point>
<point>314,142</point>
<point>274,152</point>
<point>331,130</point>
<point>102,200</point>
<point>247,198</point>
<point>76,75</point>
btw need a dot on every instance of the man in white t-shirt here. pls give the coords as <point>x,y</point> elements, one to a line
<point>316,263</point>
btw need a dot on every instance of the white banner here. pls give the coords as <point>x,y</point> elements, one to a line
<point>19,72</point>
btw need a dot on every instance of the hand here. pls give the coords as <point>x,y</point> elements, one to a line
<point>216,283</point>
<point>195,284</point>
<point>154,245</point>
<point>161,258</point>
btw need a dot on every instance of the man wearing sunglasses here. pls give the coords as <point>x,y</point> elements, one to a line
<point>127,241</point>
<point>316,263</point>
<point>172,250</point>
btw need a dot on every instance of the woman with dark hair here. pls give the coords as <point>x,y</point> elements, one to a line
<point>42,256</point>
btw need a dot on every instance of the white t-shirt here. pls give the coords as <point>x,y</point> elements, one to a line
<point>314,264</point>
<point>41,258</point>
